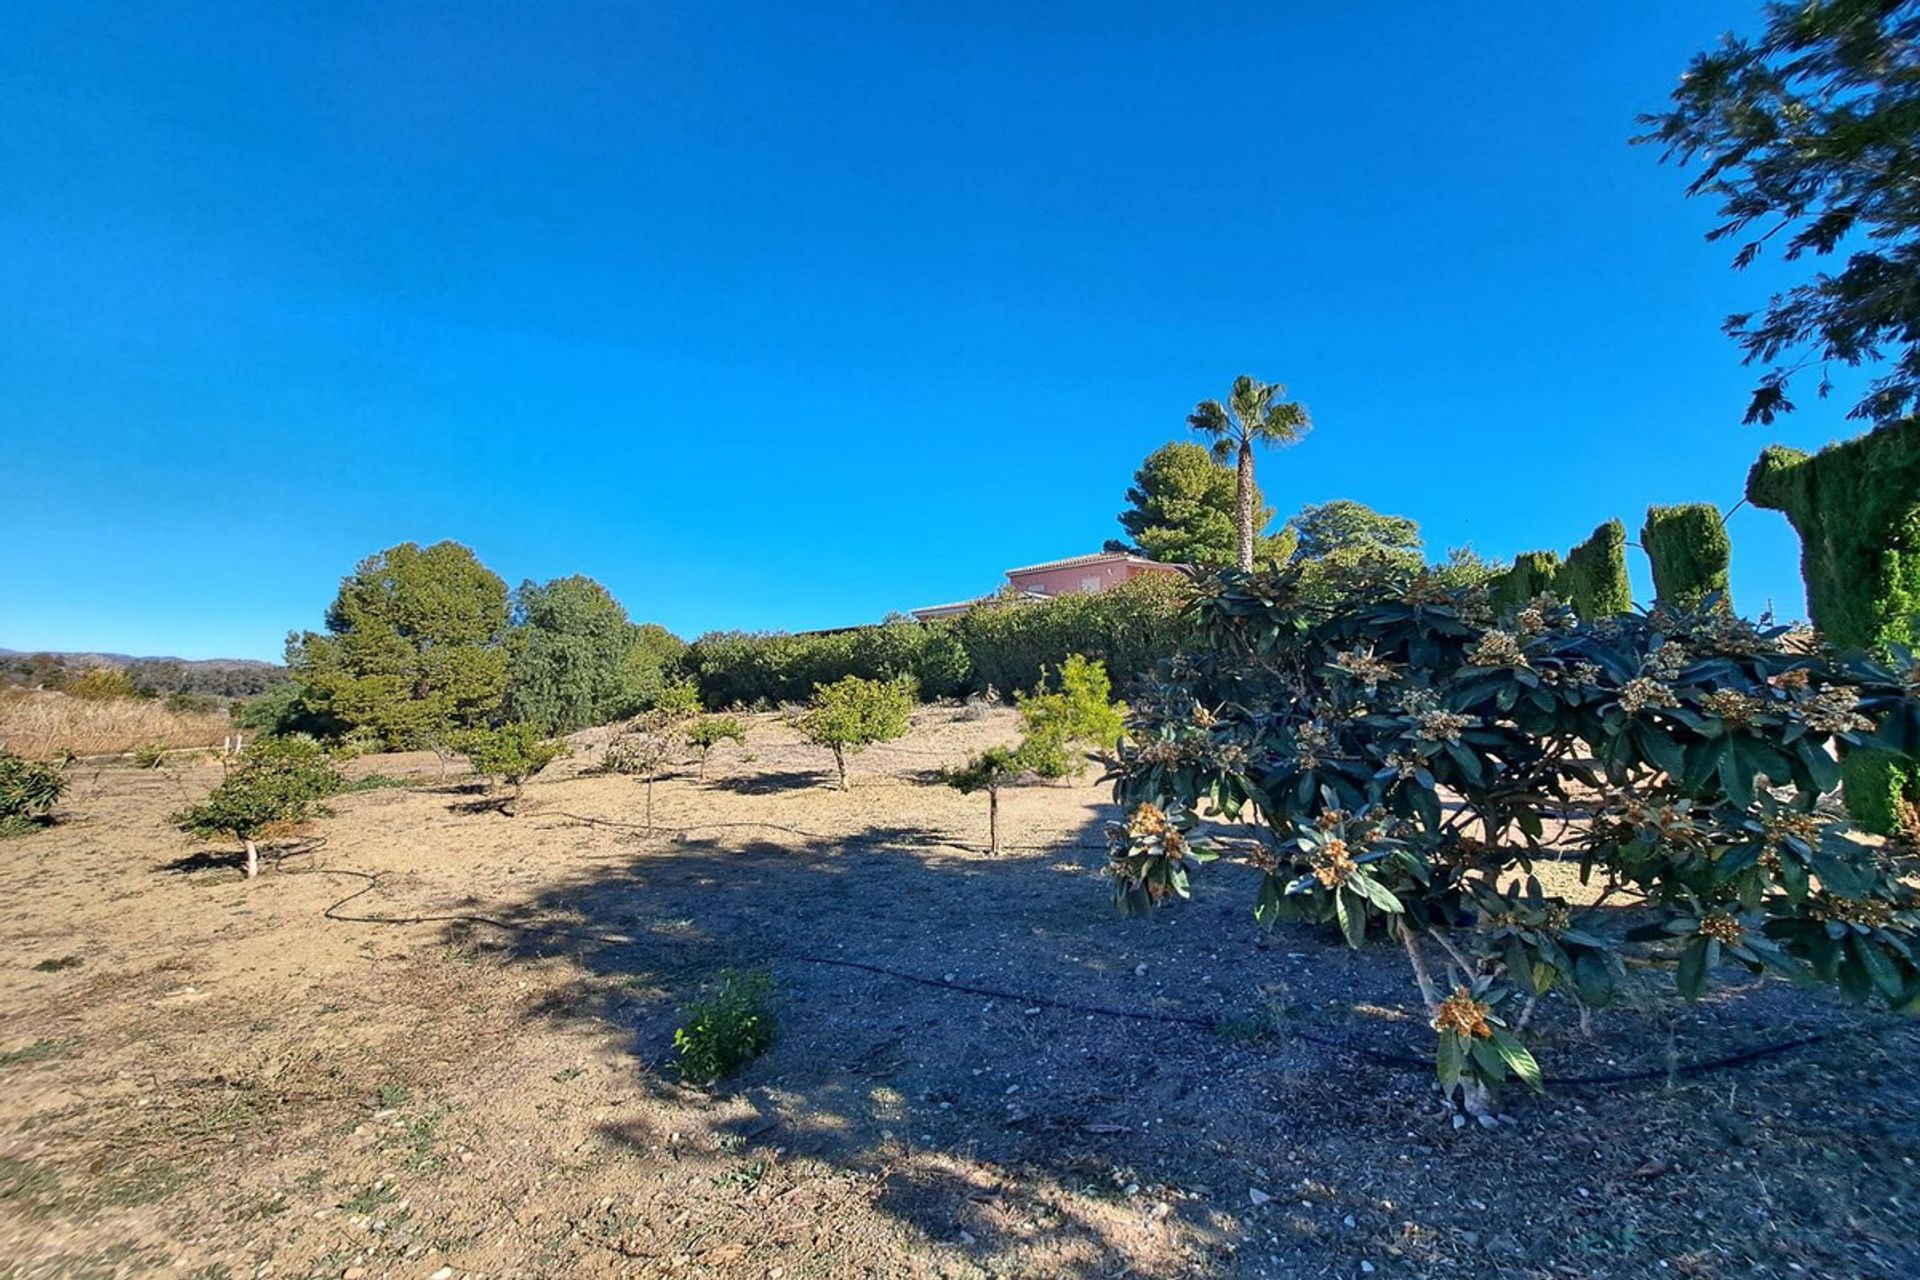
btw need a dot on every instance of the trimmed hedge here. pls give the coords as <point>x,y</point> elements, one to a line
<point>1594,578</point>
<point>1533,572</point>
<point>1690,553</point>
<point>1002,644</point>
<point>1856,507</point>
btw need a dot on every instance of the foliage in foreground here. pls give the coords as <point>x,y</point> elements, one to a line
<point>28,791</point>
<point>851,714</point>
<point>726,1029</point>
<point>275,784</point>
<point>1689,748</point>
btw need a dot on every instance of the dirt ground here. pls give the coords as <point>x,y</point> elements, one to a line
<point>205,1077</point>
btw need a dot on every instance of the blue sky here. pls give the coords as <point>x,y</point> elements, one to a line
<point>785,317</point>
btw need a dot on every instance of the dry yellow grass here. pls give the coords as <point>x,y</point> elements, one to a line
<point>41,724</point>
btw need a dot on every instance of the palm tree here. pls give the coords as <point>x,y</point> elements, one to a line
<point>1254,412</point>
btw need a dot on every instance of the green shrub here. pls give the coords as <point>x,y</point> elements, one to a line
<point>1534,573</point>
<point>1856,507</point>
<point>1129,629</point>
<point>852,713</point>
<point>1594,577</point>
<point>1688,548</point>
<point>1403,764</point>
<point>150,755</point>
<point>1079,713</point>
<point>275,784</point>
<point>735,669</point>
<point>573,657</point>
<point>726,1029</point>
<point>511,753</point>
<point>708,732</point>
<point>28,791</point>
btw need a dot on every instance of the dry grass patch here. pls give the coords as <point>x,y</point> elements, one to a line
<point>41,724</point>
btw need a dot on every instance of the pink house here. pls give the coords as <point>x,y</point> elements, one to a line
<point>1058,578</point>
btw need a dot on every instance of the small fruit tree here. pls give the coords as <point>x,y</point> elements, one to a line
<point>707,732</point>
<point>1394,763</point>
<point>994,768</point>
<point>510,754</point>
<point>28,791</point>
<point>853,713</point>
<point>274,785</point>
<point>645,746</point>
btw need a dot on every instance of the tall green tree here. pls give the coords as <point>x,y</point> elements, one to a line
<point>1255,413</point>
<point>1182,510</point>
<point>1809,141</point>
<point>1345,546</point>
<point>577,660</point>
<point>412,647</point>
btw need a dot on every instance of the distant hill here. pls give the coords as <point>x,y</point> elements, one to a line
<point>218,677</point>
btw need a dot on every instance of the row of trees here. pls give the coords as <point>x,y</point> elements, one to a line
<point>421,643</point>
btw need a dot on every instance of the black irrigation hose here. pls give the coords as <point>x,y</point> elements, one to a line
<point>1388,1057</point>
<point>927,841</point>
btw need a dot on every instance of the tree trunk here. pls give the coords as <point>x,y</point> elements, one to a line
<point>253,859</point>
<point>649,804</point>
<point>840,764</point>
<point>1243,506</point>
<point>993,820</point>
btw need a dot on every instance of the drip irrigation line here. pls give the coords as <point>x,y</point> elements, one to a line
<point>1389,1057</point>
<point>922,841</point>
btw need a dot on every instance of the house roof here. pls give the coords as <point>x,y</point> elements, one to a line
<point>1098,557</point>
<point>959,606</point>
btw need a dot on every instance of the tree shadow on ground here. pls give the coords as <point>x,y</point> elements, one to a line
<point>1035,1131</point>
<point>766,784</point>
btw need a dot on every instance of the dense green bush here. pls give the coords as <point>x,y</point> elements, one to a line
<point>1129,629</point>
<point>1690,553</point>
<point>28,791</point>
<point>726,1029</point>
<point>275,783</point>
<point>1593,579</point>
<point>1686,750</point>
<point>739,669</point>
<point>1856,507</point>
<point>574,658</point>
<point>851,714</point>
<point>1004,644</point>
<point>1534,574</point>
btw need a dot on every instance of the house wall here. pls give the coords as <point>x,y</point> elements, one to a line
<point>1084,577</point>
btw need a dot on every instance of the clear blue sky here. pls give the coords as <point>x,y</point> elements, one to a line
<point>785,317</point>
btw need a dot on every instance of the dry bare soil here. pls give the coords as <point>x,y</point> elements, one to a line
<point>205,1077</point>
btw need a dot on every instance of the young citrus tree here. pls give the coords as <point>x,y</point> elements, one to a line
<point>1392,763</point>
<point>511,753</point>
<point>645,747</point>
<point>275,784</point>
<point>853,713</point>
<point>998,767</point>
<point>708,732</point>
